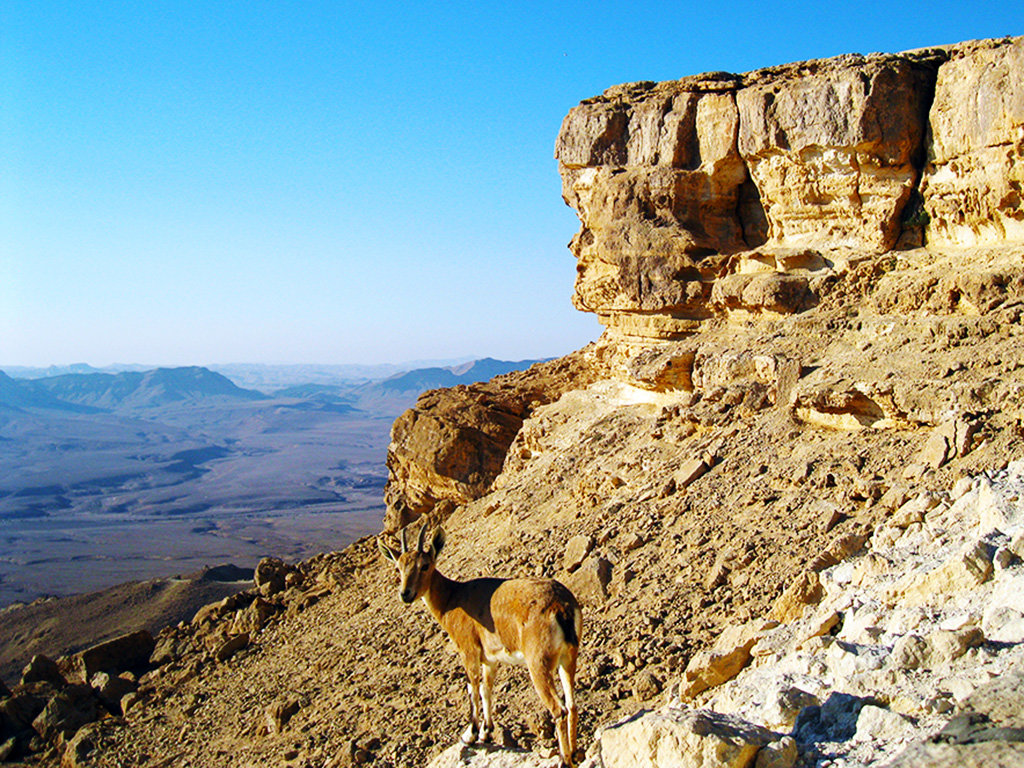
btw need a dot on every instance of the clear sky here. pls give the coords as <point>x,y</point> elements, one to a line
<point>339,182</point>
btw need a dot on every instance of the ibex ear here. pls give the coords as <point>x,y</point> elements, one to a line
<point>388,552</point>
<point>437,543</point>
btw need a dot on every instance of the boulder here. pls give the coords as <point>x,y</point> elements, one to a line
<point>576,551</point>
<point>271,575</point>
<point>127,653</point>
<point>988,732</point>
<point>66,712</point>
<point>682,738</point>
<point>231,646</point>
<point>725,659</point>
<point>778,754</point>
<point>112,689</point>
<point>803,591</point>
<point>42,669</point>
<point>692,470</point>
<point>79,748</point>
<point>277,715</point>
<point>590,581</point>
<point>970,567</point>
<point>945,646</point>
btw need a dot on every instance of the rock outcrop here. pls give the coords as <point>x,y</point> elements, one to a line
<point>721,192</point>
<point>447,450</point>
<point>973,181</point>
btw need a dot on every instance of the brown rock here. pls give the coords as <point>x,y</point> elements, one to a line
<point>778,754</point>
<point>910,652</point>
<point>126,653</point>
<point>271,575</point>
<point>66,712</point>
<point>947,441</point>
<point>111,689</point>
<point>42,669</point>
<point>590,581</point>
<point>231,646</point>
<point>449,448</point>
<point>576,551</point>
<point>279,713</point>
<point>646,686</point>
<point>79,748</point>
<point>692,470</point>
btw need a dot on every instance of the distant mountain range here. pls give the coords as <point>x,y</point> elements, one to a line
<point>423,379</point>
<point>261,376</point>
<point>131,391</point>
<point>128,390</point>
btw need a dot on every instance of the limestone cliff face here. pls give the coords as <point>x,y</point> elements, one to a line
<point>737,198</point>
<point>723,192</point>
<point>973,181</point>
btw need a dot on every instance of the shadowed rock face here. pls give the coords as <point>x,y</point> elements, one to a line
<point>681,184</point>
<point>447,450</point>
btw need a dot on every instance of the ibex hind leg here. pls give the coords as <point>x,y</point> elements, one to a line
<point>544,683</point>
<point>567,674</point>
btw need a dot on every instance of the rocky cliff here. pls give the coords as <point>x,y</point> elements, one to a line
<point>781,483</point>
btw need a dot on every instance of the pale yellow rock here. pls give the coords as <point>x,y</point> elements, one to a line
<point>682,738</point>
<point>975,172</point>
<point>779,754</point>
<point>803,591</point>
<point>692,470</point>
<point>832,153</point>
<point>968,568</point>
<point>729,655</point>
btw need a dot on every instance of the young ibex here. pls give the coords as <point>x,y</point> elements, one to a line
<point>530,622</point>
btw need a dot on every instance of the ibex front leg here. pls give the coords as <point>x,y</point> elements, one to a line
<point>487,699</point>
<point>475,678</point>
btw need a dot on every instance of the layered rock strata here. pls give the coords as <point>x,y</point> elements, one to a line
<point>720,192</point>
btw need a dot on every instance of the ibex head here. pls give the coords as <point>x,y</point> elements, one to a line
<point>415,567</point>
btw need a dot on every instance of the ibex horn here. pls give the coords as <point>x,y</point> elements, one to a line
<point>405,543</point>
<point>423,533</point>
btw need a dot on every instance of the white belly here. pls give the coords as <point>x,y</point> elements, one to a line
<point>515,658</point>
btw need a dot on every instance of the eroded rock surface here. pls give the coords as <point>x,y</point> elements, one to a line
<point>816,160</point>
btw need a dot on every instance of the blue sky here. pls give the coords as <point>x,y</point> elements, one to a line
<point>334,182</point>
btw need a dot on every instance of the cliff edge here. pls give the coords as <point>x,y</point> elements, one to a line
<point>784,484</point>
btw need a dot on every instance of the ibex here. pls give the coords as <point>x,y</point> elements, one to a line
<point>531,622</point>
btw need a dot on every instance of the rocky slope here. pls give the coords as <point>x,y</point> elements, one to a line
<point>780,484</point>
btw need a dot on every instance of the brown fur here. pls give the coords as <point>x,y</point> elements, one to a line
<point>535,622</point>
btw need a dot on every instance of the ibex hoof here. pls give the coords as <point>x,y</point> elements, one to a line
<point>469,735</point>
